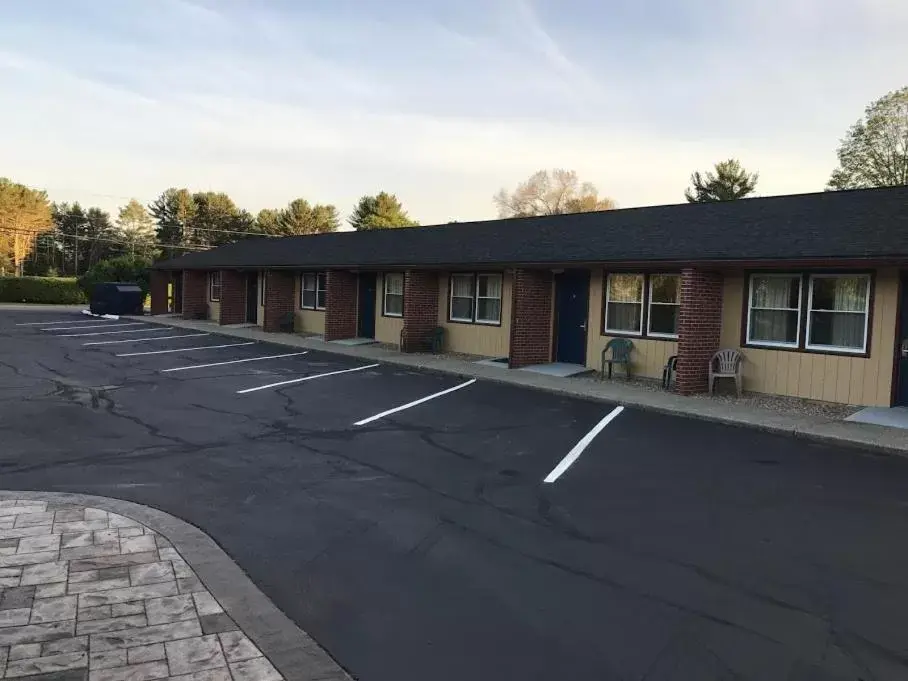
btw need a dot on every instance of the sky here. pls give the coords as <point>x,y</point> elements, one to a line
<point>442,102</point>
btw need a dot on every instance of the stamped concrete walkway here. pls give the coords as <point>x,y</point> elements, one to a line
<point>89,593</point>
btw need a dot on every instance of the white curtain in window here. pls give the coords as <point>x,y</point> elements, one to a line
<point>394,284</point>
<point>838,316</point>
<point>775,292</point>
<point>462,286</point>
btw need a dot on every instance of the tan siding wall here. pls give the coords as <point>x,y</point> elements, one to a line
<point>214,310</point>
<point>649,355</point>
<point>476,339</point>
<point>387,329</point>
<point>306,321</point>
<point>261,314</point>
<point>829,378</point>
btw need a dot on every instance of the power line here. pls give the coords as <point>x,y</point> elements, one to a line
<point>58,234</point>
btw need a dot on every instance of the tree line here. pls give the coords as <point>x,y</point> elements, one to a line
<point>40,237</point>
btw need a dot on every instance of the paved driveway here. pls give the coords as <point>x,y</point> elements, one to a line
<point>424,544</point>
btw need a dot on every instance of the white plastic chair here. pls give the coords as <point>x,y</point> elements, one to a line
<point>725,364</point>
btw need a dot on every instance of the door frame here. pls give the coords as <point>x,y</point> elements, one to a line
<point>900,333</point>
<point>556,314</point>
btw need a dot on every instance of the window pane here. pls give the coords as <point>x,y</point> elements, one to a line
<point>837,329</point>
<point>623,317</point>
<point>489,286</point>
<point>394,283</point>
<point>308,298</point>
<point>462,308</point>
<point>488,310</point>
<point>394,304</point>
<point>666,288</point>
<point>625,288</point>
<point>462,285</point>
<point>839,293</point>
<point>320,298</point>
<point>309,282</point>
<point>774,326</point>
<point>776,292</point>
<point>322,281</point>
<point>664,319</point>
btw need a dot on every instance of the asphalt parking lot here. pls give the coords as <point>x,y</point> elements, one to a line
<point>423,543</point>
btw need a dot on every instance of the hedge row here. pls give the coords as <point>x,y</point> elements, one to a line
<point>50,290</point>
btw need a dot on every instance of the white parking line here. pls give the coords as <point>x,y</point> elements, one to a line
<point>96,326</point>
<point>164,352</point>
<point>305,378</point>
<point>142,340</point>
<point>62,321</point>
<point>144,329</point>
<point>575,453</point>
<point>414,403</point>
<point>233,361</point>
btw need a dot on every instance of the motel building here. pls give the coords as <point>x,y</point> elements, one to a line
<point>809,288</point>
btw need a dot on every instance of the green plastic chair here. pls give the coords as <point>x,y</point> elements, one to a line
<point>621,354</point>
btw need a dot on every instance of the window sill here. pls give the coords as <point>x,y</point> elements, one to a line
<point>622,334</point>
<point>662,336</point>
<point>485,323</point>
<point>812,350</point>
<point>834,350</point>
<point>772,346</point>
<point>392,315</point>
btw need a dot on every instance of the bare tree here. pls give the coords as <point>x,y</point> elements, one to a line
<point>551,193</point>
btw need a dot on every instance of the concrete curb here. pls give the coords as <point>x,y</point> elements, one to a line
<point>295,654</point>
<point>857,435</point>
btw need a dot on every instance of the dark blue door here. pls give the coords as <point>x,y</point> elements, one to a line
<point>252,298</point>
<point>901,390</point>
<point>572,299</point>
<point>366,326</point>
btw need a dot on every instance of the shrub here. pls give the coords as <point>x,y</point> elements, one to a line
<point>124,268</point>
<point>49,290</point>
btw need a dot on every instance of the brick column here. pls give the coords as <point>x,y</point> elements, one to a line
<point>280,293</point>
<point>531,318</point>
<point>195,294</point>
<point>233,297</point>
<point>340,305</point>
<point>420,309</point>
<point>699,328</point>
<point>158,282</point>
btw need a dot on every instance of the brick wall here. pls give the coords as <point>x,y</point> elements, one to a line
<point>420,309</point>
<point>340,305</point>
<point>280,295</point>
<point>158,282</point>
<point>531,318</point>
<point>195,294</point>
<point>699,328</point>
<point>233,297</point>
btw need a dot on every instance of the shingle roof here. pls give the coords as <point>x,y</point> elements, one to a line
<point>857,224</point>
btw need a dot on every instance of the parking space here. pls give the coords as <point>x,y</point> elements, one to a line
<point>403,519</point>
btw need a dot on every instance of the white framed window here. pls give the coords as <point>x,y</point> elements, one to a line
<point>774,310</point>
<point>321,290</point>
<point>308,291</point>
<point>838,312</point>
<point>461,298</point>
<point>488,299</point>
<point>393,303</point>
<point>664,305</point>
<point>214,286</point>
<point>624,304</point>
